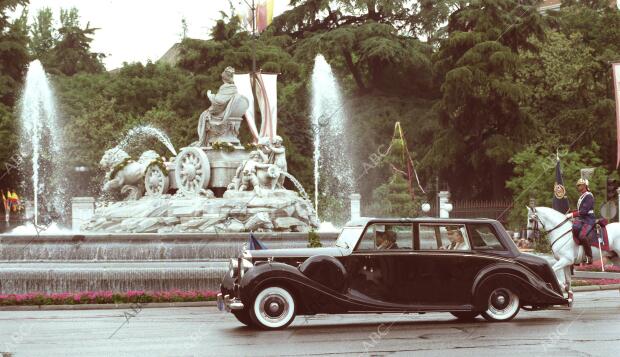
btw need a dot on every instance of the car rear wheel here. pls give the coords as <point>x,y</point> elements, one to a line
<point>503,305</point>
<point>465,315</point>
<point>273,308</point>
<point>244,317</point>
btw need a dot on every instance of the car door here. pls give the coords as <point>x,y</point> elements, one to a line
<point>376,270</point>
<point>443,275</point>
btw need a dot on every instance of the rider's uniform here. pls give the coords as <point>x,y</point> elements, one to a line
<point>584,220</point>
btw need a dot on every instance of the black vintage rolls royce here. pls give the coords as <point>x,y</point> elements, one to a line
<point>467,267</point>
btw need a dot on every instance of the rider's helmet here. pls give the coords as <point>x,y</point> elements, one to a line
<point>582,181</point>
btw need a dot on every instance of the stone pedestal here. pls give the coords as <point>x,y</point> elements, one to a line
<point>355,205</point>
<point>82,210</point>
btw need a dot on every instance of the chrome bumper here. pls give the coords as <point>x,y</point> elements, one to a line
<point>225,303</point>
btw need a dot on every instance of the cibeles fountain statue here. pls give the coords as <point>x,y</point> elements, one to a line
<point>212,185</point>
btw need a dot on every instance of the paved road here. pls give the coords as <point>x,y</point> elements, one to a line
<point>591,328</point>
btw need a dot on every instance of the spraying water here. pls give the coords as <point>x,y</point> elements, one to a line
<point>331,152</point>
<point>40,141</point>
<point>145,131</point>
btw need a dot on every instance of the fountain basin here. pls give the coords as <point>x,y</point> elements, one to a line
<point>123,262</point>
<point>142,247</point>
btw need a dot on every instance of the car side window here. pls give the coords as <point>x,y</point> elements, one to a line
<point>443,237</point>
<point>483,237</point>
<point>386,236</point>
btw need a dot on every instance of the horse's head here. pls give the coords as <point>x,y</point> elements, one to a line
<point>533,222</point>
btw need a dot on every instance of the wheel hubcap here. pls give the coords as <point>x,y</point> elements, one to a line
<point>502,304</point>
<point>274,307</point>
<point>500,301</point>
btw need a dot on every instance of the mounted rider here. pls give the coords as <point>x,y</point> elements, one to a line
<point>584,218</point>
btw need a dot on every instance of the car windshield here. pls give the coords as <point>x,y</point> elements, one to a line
<point>348,237</point>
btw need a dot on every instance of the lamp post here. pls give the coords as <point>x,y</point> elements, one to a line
<point>253,74</point>
<point>81,175</point>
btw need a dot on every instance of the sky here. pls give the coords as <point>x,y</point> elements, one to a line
<point>141,30</point>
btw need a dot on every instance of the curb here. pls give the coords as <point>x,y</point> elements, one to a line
<point>123,306</point>
<point>596,287</point>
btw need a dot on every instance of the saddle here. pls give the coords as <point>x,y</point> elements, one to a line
<point>597,236</point>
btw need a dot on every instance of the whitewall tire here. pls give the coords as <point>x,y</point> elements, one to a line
<point>503,305</point>
<point>273,308</point>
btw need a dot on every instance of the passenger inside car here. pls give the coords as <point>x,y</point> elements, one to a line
<point>457,241</point>
<point>385,238</point>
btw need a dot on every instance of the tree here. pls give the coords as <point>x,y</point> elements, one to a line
<point>598,26</point>
<point>400,196</point>
<point>42,34</point>
<point>72,53</point>
<point>13,62</point>
<point>479,112</point>
<point>565,98</point>
<point>534,177</point>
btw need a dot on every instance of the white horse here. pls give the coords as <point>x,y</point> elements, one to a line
<point>564,248</point>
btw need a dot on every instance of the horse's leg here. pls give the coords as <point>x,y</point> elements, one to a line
<point>558,269</point>
<point>569,287</point>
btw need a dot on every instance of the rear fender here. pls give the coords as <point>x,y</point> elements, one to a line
<point>528,286</point>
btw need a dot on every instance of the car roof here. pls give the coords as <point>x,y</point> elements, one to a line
<point>363,221</point>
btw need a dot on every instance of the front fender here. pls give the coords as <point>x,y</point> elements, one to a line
<point>312,296</point>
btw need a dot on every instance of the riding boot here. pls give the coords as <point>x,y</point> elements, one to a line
<point>588,251</point>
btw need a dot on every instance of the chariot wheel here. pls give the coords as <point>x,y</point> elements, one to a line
<point>156,182</point>
<point>192,170</point>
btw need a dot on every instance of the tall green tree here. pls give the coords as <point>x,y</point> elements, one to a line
<point>13,63</point>
<point>480,113</point>
<point>42,34</point>
<point>72,52</point>
<point>565,98</point>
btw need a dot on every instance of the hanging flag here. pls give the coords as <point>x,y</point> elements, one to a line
<point>267,96</point>
<point>11,199</point>
<point>560,202</point>
<point>18,202</point>
<point>243,82</point>
<point>264,14</point>
<point>255,244</point>
<point>616,74</point>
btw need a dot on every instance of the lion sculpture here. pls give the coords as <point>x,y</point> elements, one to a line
<point>124,173</point>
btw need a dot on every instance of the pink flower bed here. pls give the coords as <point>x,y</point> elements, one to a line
<point>582,282</point>
<point>596,266</point>
<point>106,297</point>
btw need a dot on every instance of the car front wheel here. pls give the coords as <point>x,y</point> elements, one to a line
<point>273,308</point>
<point>503,305</point>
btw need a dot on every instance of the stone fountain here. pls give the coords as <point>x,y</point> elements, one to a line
<point>213,185</point>
<point>180,217</point>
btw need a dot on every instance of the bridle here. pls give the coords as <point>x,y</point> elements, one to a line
<point>535,220</point>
